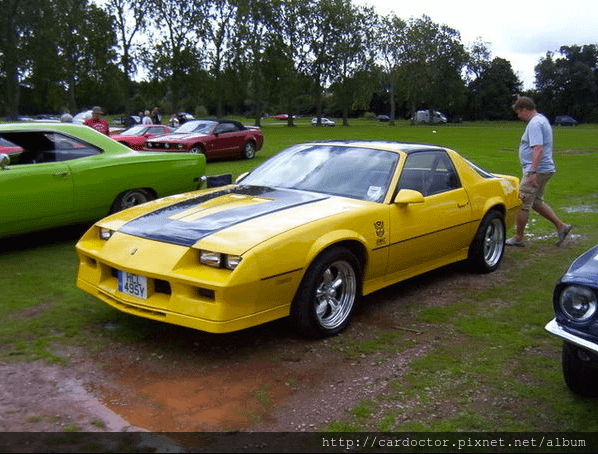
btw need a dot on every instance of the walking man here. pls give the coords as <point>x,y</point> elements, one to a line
<point>535,156</point>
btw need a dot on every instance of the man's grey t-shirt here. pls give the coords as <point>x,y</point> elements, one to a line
<point>537,132</point>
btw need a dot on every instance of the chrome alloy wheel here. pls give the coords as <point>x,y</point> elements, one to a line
<point>335,294</point>
<point>494,242</point>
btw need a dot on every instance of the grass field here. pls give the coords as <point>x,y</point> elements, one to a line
<point>500,347</point>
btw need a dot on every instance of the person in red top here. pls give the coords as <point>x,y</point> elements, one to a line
<point>97,122</point>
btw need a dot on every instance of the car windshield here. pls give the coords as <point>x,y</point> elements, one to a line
<point>134,131</point>
<point>203,127</point>
<point>359,173</point>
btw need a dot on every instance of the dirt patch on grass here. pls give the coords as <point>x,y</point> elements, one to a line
<point>262,379</point>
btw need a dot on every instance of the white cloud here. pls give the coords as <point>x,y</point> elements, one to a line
<point>517,30</point>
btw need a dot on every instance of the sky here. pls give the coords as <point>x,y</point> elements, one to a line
<point>519,31</point>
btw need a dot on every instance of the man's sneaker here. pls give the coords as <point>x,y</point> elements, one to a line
<point>563,235</point>
<point>514,242</point>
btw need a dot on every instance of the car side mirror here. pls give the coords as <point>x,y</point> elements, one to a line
<point>4,161</point>
<point>409,196</point>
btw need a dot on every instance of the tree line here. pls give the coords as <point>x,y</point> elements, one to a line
<point>251,57</point>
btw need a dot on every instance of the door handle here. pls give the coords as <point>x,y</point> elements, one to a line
<point>61,174</point>
<point>462,204</point>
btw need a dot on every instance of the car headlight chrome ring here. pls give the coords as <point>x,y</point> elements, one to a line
<point>578,303</point>
<point>219,260</point>
<point>105,233</point>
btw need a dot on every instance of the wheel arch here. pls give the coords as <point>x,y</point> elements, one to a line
<point>199,145</point>
<point>497,206</point>
<point>352,242</point>
<point>150,192</point>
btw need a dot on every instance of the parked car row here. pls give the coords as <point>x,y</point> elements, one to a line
<point>304,235</point>
<point>212,138</point>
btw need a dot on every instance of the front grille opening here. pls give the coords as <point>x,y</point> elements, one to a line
<point>161,286</point>
<point>206,293</point>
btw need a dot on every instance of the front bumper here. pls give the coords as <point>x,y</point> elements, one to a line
<point>554,328</point>
<point>180,290</point>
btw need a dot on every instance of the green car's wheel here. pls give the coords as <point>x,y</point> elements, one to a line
<point>328,294</point>
<point>197,149</point>
<point>131,198</point>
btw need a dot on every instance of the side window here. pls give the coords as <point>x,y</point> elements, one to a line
<point>429,172</point>
<point>225,127</point>
<point>42,147</point>
<point>155,130</point>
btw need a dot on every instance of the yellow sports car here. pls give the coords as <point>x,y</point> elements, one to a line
<point>304,235</point>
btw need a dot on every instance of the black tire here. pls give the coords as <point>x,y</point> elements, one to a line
<point>197,149</point>
<point>130,198</point>
<point>581,375</point>
<point>488,246</point>
<point>249,150</point>
<point>328,294</point>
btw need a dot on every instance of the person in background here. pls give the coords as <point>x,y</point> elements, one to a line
<point>155,116</point>
<point>97,122</point>
<point>146,118</point>
<point>66,117</point>
<point>535,156</point>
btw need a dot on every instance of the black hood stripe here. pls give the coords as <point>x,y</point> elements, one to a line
<point>165,224</point>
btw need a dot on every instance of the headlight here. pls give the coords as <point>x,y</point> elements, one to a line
<point>105,233</point>
<point>231,261</point>
<point>218,260</point>
<point>578,303</point>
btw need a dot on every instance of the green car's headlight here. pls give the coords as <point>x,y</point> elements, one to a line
<point>105,233</point>
<point>218,260</point>
<point>578,303</point>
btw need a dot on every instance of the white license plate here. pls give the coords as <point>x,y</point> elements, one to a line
<point>132,284</point>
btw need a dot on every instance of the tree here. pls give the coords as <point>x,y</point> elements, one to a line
<point>254,26</point>
<point>218,31</point>
<point>391,52</point>
<point>478,58</point>
<point>176,47</point>
<point>493,91</point>
<point>431,71</point>
<point>353,54</point>
<point>569,84</point>
<point>288,52</point>
<point>130,20</point>
<point>15,31</point>
<point>86,51</point>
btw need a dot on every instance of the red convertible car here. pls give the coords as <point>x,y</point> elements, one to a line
<point>135,136</point>
<point>9,147</point>
<point>213,138</point>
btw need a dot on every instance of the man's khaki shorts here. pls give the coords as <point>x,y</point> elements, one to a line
<point>530,194</point>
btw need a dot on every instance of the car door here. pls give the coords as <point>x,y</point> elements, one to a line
<point>34,195</point>
<point>229,139</point>
<point>429,234</point>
